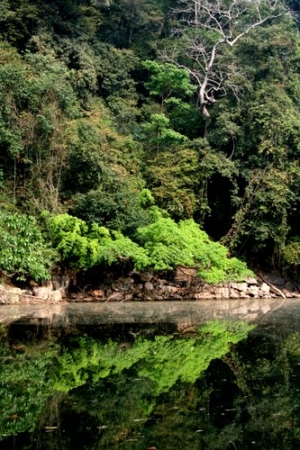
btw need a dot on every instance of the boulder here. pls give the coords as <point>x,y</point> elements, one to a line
<point>149,286</point>
<point>264,290</point>
<point>98,294</point>
<point>242,287</point>
<point>55,296</point>
<point>116,296</point>
<point>167,289</point>
<point>233,293</point>
<point>253,291</point>
<point>14,295</point>
<point>43,293</point>
<point>252,280</point>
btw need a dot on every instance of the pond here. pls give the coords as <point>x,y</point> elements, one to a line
<point>184,376</point>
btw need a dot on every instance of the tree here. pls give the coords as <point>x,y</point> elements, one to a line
<point>167,80</point>
<point>206,27</point>
<point>260,136</point>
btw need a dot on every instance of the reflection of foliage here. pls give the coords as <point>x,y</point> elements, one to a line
<point>145,378</point>
<point>25,386</point>
<point>164,360</point>
<point>185,359</point>
<point>140,394</point>
<point>94,360</point>
<point>266,372</point>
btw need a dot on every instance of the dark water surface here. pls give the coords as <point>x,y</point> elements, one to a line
<point>192,375</point>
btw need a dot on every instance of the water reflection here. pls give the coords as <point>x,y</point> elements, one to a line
<point>228,386</point>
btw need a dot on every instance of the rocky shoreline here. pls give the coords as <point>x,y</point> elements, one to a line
<point>184,285</point>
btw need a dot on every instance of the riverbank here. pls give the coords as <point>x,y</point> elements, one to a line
<point>184,285</point>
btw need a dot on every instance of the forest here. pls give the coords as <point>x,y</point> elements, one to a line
<point>149,133</point>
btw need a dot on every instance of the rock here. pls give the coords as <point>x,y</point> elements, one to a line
<point>234,294</point>
<point>63,292</point>
<point>42,293</point>
<point>123,284</point>
<point>98,293</point>
<point>27,299</point>
<point>32,283</point>
<point>149,286</point>
<point>252,280</point>
<point>203,295</point>
<point>168,289</point>
<point>290,294</point>
<point>48,284</point>
<point>242,287</point>
<point>116,296</point>
<point>264,289</point>
<point>185,275</point>
<point>3,295</point>
<point>253,291</point>
<point>220,292</point>
<point>55,296</point>
<point>144,277</point>
<point>224,292</point>
<point>13,295</point>
<point>60,281</point>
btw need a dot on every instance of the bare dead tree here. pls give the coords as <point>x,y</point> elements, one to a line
<point>219,23</point>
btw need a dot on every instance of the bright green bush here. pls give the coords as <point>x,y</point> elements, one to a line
<point>162,245</point>
<point>78,246</point>
<point>169,245</point>
<point>121,247</point>
<point>23,251</point>
<point>82,246</point>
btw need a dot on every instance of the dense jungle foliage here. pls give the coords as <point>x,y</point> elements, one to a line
<point>134,129</point>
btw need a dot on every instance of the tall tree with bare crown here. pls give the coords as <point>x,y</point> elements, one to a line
<point>205,27</point>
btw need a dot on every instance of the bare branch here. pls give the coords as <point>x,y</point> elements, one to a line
<point>228,23</point>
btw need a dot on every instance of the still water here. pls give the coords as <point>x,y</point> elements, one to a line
<point>164,384</point>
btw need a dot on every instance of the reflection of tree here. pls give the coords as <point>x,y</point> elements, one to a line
<point>118,384</point>
<point>248,396</point>
<point>147,378</point>
<point>267,406</point>
<point>163,360</point>
<point>210,390</point>
<point>25,386</point>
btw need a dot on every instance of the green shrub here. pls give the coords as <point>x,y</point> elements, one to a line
<point>291,253</point>
<point>169,245</point>
<point>23,251</point>
<point>162,245</point>
<point>82,246</point>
